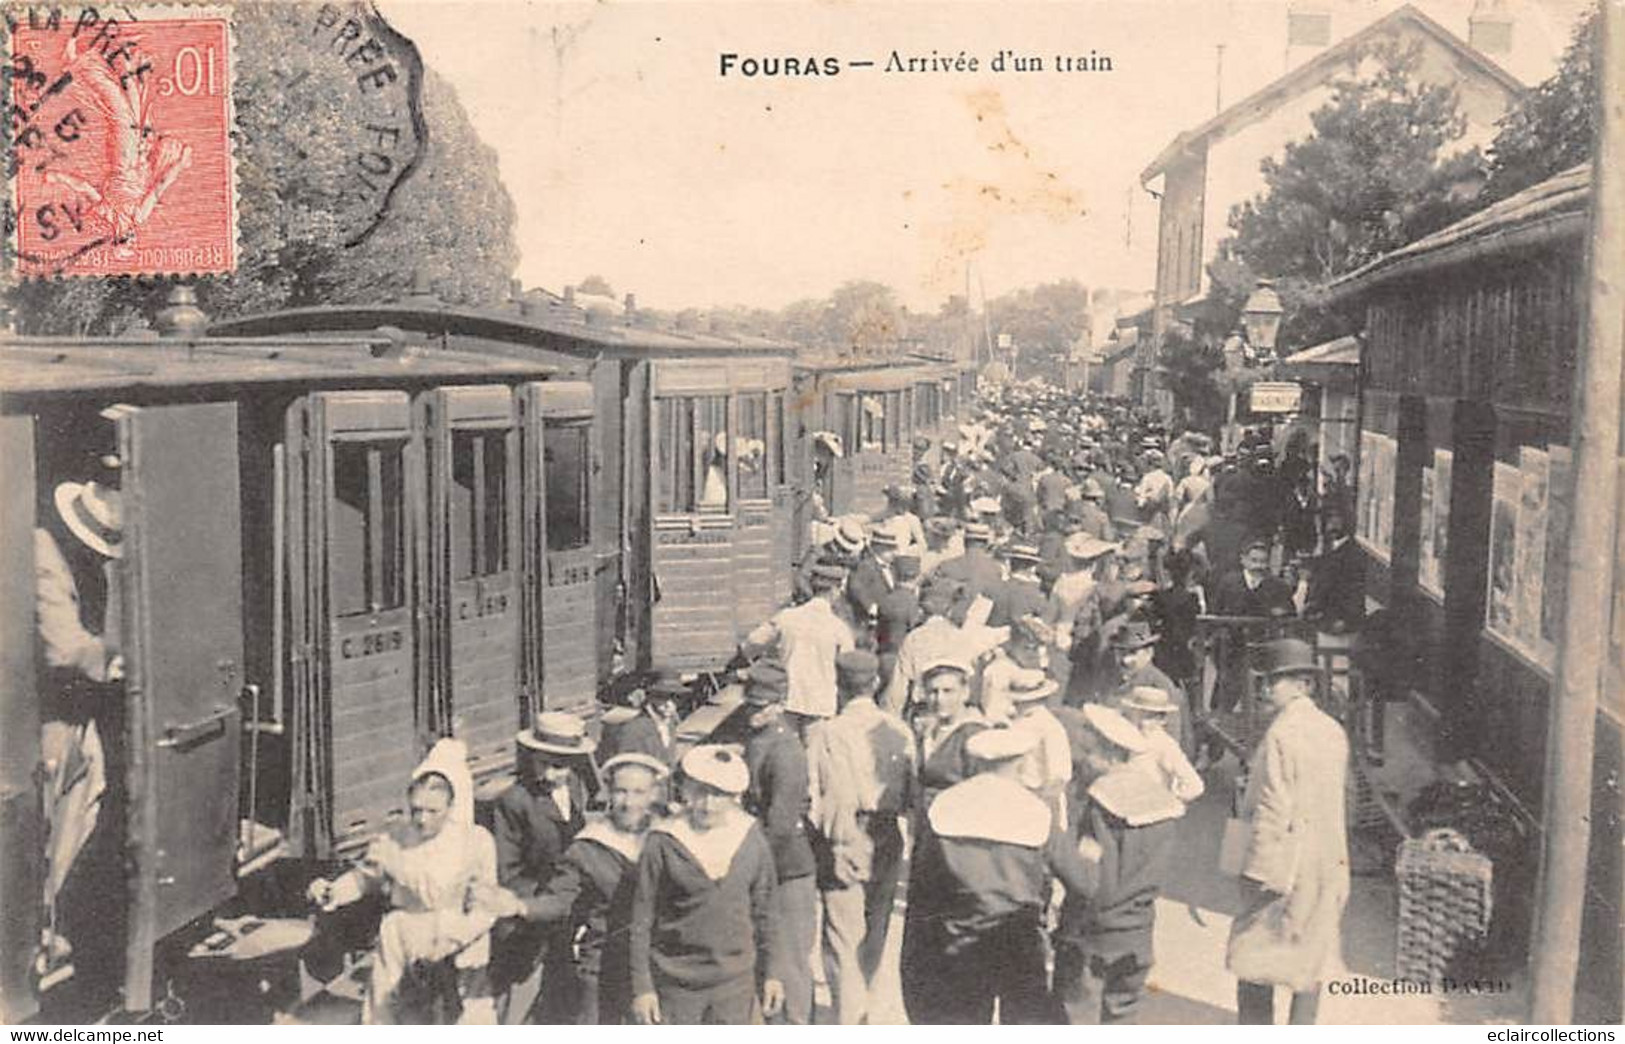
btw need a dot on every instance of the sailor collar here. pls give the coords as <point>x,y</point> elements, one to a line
<point>713,850</point>
<point>991,808</point>
<point>600,830</point>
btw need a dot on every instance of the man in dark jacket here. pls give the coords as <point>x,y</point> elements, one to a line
<point>591,895</point>
<point>1337,580</point>
<point>978,887</point>
<point>533,822</point>
<point>1022,594</point>
<point>871,578</point>
<point>897,614</point>
<point>780,798</point>
<point>976,571</point>
<point>651,732</point>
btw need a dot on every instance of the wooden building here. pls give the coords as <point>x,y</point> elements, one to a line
<point>1465,479</point>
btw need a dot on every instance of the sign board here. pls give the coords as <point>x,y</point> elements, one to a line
<point>1276,397</point>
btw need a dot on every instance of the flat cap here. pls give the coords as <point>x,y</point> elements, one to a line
<point>856,670</point>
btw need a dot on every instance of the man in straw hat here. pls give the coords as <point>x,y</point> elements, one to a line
<point>872,577</point>
<point>779,797</point>
<point>1295,873</point>
<point>705,943</point>
<point>440,875</point>
<point>978,889</point>
<point>1047,769</point>
<point>1073,612</point>
<point>839,541</point>
<point>1133,648</point>
<point>862,773</point>
<point>977,572</point>
<point>806,639</point>
<point>591,894</point>
<point>534,821</point>
<point>1103,943</point>
<point>76,614</point>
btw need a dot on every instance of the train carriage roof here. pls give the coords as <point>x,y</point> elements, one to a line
<point>564,330</point>
<point>37,365</point>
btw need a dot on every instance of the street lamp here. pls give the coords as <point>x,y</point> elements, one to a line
<point>1262,317</point>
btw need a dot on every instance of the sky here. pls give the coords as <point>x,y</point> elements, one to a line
<point>630,155</point>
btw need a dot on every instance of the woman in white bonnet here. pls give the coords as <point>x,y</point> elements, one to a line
<point>439,871</point>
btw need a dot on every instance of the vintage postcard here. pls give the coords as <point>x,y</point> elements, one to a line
<point>890,512</point>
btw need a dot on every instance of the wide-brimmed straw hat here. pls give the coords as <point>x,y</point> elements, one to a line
<point>556,732</point>
<point>1028,686</point>
<point>94,514</point>
<point>1150,699</point>
<point>1087,546</point>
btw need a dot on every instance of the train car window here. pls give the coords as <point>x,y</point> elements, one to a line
<point>872,422</point>
<point>691,454</point>
<point>846,420</point>
<point>367,565</point>
<point>750,449</point>
<point>775,439</point>
<point>711,439</point>
<point>479,503</point>
<point>567,460</point>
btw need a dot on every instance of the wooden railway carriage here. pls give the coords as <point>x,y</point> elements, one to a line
<point>876,408</point>
<point>1464,479</point>
<point>322,572</point>
<point>684,542</point>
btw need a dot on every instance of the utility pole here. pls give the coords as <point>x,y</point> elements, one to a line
<point>1218,80</point>
<point>1582,663</point>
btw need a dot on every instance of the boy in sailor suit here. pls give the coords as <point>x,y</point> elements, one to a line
<point>704,943</point>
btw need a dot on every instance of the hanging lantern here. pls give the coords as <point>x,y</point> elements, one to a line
<point>1262,317</point>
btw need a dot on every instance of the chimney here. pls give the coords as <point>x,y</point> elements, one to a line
<point>570,296</point>
<point>1489,27</point>
<point>631,305</point>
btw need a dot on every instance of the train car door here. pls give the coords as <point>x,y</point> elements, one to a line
<point>471,584</point>
<point>182,642</point>
<point>694,506</point>
<point>556,448</point>
<point>355,509</point>
<point>754,458</point>
<point>21,841</point>
<point>607,430</point>
<point>786,530</point>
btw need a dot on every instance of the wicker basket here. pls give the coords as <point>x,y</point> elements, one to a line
<point>1445,905</point>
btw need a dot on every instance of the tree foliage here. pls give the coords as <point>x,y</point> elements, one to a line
<point>1553,127</point>
<point>452,217</point>
<point>1377,172</point>
<point>1190,371</point>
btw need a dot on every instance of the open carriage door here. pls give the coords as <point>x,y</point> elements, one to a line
<point>608,504</point>
<point>182,625</point>
<point>21,841</point>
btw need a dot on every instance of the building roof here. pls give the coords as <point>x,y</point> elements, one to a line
<point>35,365</point>
<point>1553,210</point>
<point>1313,73</point>
<point>1341,351</point>
<point>550,325</point>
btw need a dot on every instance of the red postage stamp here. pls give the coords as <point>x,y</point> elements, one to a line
<point>120,158</point>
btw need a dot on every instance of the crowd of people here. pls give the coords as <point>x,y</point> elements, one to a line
<point>998,689</point>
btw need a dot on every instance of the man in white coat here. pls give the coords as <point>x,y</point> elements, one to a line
<point>1295,873</point>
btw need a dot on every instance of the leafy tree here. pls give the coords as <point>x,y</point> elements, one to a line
<point>1191,371</point>
<point>1376,173</point>
<point>595,284</point>
<point>1551,128</point>
<point>863,318</point>
<point>452,218</point>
